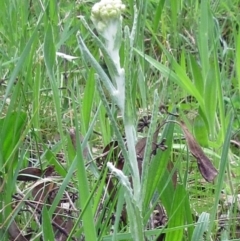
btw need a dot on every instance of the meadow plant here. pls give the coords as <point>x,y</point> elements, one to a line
<point>107,19</point>
<point>182,55</point>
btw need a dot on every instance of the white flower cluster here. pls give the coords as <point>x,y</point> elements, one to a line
<point>105,10</point>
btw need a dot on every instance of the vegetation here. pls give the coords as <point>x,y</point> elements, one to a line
<point>138,140</point>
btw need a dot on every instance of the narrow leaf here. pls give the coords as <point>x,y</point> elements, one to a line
<point>46,225</point>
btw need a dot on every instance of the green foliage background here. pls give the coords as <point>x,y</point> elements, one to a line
<point>188,52</point>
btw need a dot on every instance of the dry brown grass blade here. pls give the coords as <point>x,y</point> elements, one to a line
<point>205,166</point>
<point>29,174</point>
<point>15,232</point>
<point>62,225</point>
<point>33,173</point>
<point>140,146</point>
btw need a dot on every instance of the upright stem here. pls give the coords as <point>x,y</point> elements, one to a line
<point>130,136</point>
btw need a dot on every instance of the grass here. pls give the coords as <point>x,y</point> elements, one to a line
<point>184,58</point>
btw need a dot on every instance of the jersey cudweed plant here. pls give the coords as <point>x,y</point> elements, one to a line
<point>107,19</point>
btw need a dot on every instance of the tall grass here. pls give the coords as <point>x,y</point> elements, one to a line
<point>183,55</point>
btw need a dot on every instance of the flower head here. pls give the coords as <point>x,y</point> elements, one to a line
<point>106,11</point>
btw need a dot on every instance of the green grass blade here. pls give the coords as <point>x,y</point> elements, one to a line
<point>158,168</point>
<point>49,51</point>
<point>203,38</point>
<point>84,193</point>
<point>201,227</point>
<point>47,225</point>
<point>158,14</point>
<point>88,99</point>
<point>238,59</point>
<point>20,63</point>
<point>176,217</point>
<point>179,76</point>
<point>223,166</point>
<point>148,148</point>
